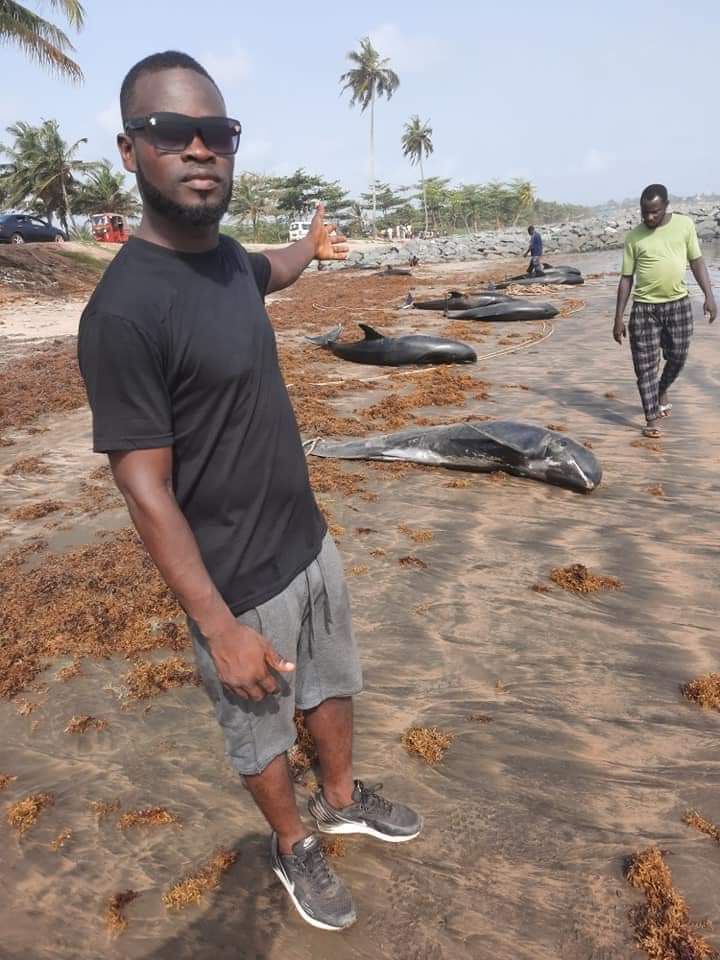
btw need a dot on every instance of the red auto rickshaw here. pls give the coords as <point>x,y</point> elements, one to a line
<point>109,227</point>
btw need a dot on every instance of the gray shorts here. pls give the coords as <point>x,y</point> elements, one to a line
<point>310,624</point>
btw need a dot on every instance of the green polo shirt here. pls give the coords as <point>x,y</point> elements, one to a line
<point>659,259</point>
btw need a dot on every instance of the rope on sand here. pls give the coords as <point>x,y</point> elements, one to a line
<point>547,331</point>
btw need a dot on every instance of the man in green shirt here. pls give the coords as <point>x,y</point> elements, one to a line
<point>656,256</point>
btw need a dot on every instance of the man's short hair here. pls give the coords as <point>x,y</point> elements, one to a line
<point>531,228</point>
<point>653,191</point>
<point>156,62</point>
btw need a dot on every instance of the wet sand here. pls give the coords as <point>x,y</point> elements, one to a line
<point>591,752</point>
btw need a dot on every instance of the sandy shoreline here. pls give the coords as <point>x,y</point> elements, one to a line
<point>590,752</point>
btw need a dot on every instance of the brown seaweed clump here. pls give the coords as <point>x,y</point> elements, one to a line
<point>115,918</point>
<point>662,925</point>
<point>61,839</point>
<point>704,691</point>
<point>146,817</point>
<point>69,672</point>
<point>654,446</point>
<point>148,679</point>
<point>415,562</point>
<point>84,723</point>
<point>104,808</point>
<point>302,756</point>
<point>326,476</point>
<point>34,511</point>
<point>656,490</point>
<point>419,536</point>
<point>6,780</point>
<point>333,846</point>
<point>541,588</point>
<point>427,742</point>
<point>192,889</point>
<point>24,814</point>
<point>578,579</point>
<point>96,601</point>
<point>27,466</point>
<point>458,484</point>
<point>693,819</point>
<point>360,570</point>
<point>46,381</point>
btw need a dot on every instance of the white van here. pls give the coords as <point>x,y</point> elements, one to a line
<point>298,229</point>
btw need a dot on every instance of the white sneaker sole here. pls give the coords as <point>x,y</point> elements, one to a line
<point>298,906</point>
<point>364,829</point>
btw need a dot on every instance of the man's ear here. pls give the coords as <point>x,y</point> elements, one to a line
<point>127,152</point>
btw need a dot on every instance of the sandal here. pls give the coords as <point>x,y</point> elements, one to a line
<point>665,409</point>
<point>652,433</point>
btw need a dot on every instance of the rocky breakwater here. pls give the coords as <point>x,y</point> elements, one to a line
<point>575,236</point>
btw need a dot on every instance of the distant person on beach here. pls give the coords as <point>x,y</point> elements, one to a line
<point>656,257</point>
<point>535,249</point>
<point>181,369</point>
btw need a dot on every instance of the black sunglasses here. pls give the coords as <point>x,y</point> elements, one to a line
<point>174,132</point>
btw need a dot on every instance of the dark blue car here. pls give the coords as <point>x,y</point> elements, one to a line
<point>23,228</point>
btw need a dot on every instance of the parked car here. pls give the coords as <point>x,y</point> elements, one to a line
<point>22,228</point>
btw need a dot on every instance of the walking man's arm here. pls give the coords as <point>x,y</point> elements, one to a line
<point>323,242</point>
<point>699,270</point>
<point>623,295</point>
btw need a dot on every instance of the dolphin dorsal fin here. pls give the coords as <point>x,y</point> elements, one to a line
<point>370,332</point>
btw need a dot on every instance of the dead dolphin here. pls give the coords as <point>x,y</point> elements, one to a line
<point>554,276</point>
<point>395,351</point>
<point>480,446</point>
<point>510,309</point>
<point>460,301</point>
<point>394,272</point>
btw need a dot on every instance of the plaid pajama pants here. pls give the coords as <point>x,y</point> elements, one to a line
<point>656,327</point>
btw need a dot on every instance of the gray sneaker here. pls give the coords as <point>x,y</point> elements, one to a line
<point>320,896</point>
<point>369,813</point>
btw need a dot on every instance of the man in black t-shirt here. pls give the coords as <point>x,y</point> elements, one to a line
<point>181,369</point>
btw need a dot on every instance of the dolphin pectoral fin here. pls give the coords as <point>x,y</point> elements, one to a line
<point>370,332</point>
<point>325,339</point>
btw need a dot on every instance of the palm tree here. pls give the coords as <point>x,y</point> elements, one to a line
<point>370,79</point>
<point>253,197</point>
<point>416,141</point>
<point>524,197</point>
<point>40,39</point>
<point>104,191</point>
<point>42,168</point>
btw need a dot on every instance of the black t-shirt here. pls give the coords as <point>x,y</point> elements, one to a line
<point>177,350</point>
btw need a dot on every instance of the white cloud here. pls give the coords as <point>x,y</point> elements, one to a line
<point>407,53</point>
<point>228,69</point>
<point>598,161</point>
<point>109,120</point>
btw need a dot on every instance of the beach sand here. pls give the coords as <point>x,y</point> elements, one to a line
<point>573,745</point>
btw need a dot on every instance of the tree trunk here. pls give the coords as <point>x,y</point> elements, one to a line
<point>66,204</point>
<point>372,159</point>
<point>424,193</point>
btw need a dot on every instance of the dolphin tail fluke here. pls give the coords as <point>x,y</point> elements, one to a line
<point>325,339</point>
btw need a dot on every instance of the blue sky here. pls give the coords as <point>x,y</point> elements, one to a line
<point>589,101</point>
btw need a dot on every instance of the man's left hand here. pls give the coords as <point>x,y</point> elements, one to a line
<point>328,243</point>
<point>710,310</point>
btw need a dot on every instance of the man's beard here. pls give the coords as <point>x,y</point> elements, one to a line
<point>204,215</point>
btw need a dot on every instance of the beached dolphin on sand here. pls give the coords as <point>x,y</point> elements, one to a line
<point>395,351</point>
<point>480,446</point>
<point>460,301</point>
<point>510,309</point>
<point>556,275</point>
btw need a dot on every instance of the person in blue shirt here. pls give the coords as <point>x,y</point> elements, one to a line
<point>535,249</point>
